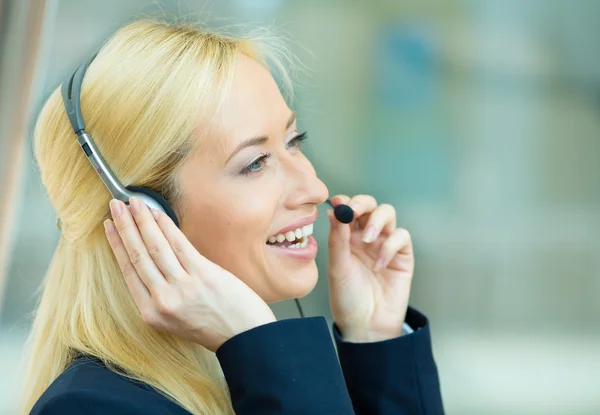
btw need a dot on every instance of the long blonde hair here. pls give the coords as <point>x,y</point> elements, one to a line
<point>143,95</point>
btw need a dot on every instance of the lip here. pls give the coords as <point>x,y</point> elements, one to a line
<point>299,223</point>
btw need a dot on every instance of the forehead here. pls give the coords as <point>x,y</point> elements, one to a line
<point>253,107</point>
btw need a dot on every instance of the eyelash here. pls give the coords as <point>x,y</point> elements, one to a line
<point>297,141</point>
<point>294,142</point>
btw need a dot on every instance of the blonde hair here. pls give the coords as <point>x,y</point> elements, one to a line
<point>143,95</point>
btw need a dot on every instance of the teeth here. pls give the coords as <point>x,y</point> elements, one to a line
<point>295,235</point>
<point>308,230</point>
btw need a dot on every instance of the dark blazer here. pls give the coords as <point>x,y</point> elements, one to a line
<point>284,367</point>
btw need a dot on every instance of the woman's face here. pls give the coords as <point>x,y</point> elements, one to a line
<point>248,182</point>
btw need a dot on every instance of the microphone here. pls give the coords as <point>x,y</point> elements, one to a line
<point>343,213</point>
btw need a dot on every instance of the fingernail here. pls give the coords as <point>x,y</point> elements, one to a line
<point>134,205</point>
<point>369,234</point>
<point>115,208</point>
<point>155,213</point>
<point>108,226</point>
<point>353,206</point>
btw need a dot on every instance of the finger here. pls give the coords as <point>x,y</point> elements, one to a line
<point>156,243</point>
<point>191,260</point>
<point>139,292</point>
<point>340,200</point>
<point>335,229</point>
<point>339,246</point>
<point>134,245</point>
<point>382,219</point>
<point>398,242</point>
<point>362,204</point>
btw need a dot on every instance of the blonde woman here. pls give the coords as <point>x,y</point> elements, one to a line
<point>164,310</point>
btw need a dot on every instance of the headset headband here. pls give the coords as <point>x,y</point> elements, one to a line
<point>71,94</point>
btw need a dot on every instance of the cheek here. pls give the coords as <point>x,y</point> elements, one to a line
<point>230,232</point>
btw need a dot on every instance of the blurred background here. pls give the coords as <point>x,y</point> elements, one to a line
<point>479,120</point>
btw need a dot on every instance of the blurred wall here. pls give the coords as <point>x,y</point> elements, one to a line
<point>478,120</point>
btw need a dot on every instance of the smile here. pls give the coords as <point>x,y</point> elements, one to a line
<point>292,239</point>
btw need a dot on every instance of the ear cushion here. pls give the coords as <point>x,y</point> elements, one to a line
<point>161,201</point>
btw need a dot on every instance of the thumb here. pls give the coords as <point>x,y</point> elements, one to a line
<point>339,247</point>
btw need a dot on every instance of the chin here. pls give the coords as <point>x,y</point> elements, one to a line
<point>302,281</point>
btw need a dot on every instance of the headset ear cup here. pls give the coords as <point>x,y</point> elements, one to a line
<point>161,201</point>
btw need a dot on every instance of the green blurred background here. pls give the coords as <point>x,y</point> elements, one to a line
<point>479,120</point>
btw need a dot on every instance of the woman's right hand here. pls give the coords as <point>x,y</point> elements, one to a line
<point>174,287</point>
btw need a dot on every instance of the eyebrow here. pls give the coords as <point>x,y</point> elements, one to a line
<point>291,120</point>
<point>258,140</point>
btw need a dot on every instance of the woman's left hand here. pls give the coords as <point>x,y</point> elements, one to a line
<point>371,266</point>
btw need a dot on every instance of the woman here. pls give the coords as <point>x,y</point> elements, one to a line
<point>140,316</point>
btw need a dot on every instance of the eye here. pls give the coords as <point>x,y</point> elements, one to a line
<point>257,164</point>
<point>297,140</point>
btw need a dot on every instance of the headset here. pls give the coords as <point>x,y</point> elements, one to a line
<point>71,94</point>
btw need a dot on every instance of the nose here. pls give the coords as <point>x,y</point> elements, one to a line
<point>306,188</point>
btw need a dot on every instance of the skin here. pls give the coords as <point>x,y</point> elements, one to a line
<point>213,278</point>
<point>230,215</point>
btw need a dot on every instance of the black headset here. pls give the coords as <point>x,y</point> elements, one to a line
<point>71,94</point>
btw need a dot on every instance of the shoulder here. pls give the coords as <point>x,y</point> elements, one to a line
<point>87,386</point>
